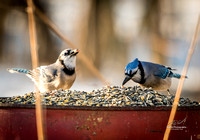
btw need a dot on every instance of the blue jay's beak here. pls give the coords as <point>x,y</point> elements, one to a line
<point>127,78</point>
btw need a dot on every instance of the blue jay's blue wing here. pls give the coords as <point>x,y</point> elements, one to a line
<point>131,66</point>
<point>162,72</point>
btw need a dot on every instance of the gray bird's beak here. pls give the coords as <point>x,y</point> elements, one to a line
<point>74,52</point>
<point>127,78</point>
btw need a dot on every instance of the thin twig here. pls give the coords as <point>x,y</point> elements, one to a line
<point>83,58</point>
<point>181,82</point>
<point>34,55</point>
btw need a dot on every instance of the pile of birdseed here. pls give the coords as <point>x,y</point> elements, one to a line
<point>105,97</point>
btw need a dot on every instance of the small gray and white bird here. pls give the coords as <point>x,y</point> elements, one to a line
<point>60,74</point>
<point>149,74</point>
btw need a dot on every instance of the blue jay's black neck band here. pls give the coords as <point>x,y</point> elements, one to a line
<point>142,81</point>
<point>66,70</point>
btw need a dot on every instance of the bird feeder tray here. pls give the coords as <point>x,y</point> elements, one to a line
<point>86,122</point>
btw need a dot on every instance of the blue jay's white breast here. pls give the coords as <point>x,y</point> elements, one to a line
<point>137,77</point>
<point>157,83</point>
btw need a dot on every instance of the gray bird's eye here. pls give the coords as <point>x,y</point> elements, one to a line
<point>67,53</point>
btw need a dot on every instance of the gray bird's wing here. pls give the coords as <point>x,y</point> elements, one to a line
<point>45,74</point>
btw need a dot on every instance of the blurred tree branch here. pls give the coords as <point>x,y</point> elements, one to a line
<point>84,59</point>
<point>151,22</point>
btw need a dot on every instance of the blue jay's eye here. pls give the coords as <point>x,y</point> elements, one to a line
<point>65,54</point>
<point>130,72</point>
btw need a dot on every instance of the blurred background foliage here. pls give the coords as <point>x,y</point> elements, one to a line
<point>110,33</point>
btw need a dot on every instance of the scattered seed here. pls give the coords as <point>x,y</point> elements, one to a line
<point>106,97</point>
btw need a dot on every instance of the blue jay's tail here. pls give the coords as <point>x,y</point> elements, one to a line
<point>176,75</point>
<point>15,70</point>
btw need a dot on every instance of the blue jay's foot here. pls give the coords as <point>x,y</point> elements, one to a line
<point>171,94</point>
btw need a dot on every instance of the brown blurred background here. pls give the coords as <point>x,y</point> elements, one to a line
<point>109,32</point>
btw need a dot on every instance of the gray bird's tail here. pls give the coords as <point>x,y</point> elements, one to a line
<point>15,70</point>
<point>176,75</point>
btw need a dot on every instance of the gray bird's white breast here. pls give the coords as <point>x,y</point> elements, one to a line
<point>51,78</point>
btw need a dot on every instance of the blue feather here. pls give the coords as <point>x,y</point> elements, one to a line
<point>16,70</point>
<point>162,72</point>
<point>131,66</point>
<point>166,72</point>
<point>176,75</point>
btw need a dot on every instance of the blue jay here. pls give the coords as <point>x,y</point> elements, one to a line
<point>60,74</point>
<point>149,74</point>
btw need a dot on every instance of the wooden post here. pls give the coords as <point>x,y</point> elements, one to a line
<point>34,55</point>
<point>181,82</point>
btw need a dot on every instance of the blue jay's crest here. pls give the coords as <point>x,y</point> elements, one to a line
<point>132,67</point>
